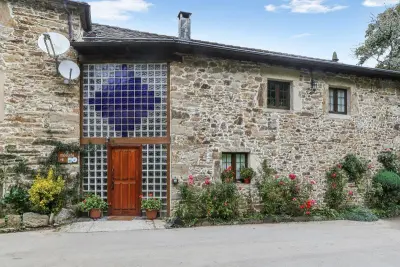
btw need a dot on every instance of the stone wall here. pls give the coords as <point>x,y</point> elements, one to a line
<point>220,106</point>
<point>38,105</point>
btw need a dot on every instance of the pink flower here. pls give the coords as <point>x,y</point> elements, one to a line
<point>281,183</point>
<point>151,195</point>
<point>308,213</point>
<point>294,199</point>
<point>313,201</point>
<point>387,149</point>
<point>292,176</point>
<point>226,204</point>
<point>369,166</point>
<point>350,193</point>
<point>191,180</point>
<point>191,177</point>
<point>207,181</point>
<point>277,176</point>
<point>333,185</point>
<point>229,168</point>
<point>313,182</point>
<point>333,175</point>
<point>339,166</point>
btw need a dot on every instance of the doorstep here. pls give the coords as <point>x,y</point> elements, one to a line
<point>105,225</point>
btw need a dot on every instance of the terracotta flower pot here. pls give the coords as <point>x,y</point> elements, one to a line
<point>151,214</point>
<point>246,180</point>
<point>95,214</point>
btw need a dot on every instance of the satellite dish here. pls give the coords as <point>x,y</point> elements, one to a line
<point>53,43</point>
<point>69,70</point>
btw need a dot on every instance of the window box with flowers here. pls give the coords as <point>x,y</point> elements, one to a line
<point>151,205</point>
<point>247,174</point>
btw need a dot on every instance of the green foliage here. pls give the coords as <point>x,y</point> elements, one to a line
<point>151,203</point>
<point>388,179</point>
<point>389,160</point>
<point>266,171</point>
<point>247,173</point>
<point>355,167</point>
<point>328,213</point>
<point>45,193</point>
<point>18,199</point>
<point>218,201</point>
<point>360,214</point>
<point>335,195</point>
<point>228,175</point>
<point>92,201</point>
<point>381,40</point>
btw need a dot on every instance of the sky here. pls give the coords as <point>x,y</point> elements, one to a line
<point>314,28</point>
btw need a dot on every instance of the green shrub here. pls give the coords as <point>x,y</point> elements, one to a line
<point>355,167</point>
<point>335,195</point>
<point>18,199</point>
<point>389,160</point>
<point>388,179</point>
<point>92,201</point>
<point>217,201</point>
<point>360,214</point>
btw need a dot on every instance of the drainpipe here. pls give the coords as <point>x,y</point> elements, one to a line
<point>70,33</point>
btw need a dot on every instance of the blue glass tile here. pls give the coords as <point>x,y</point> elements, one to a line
<point>91,101</point>
<point>104,94</point>
<point>151,94</point>
<point>138,121</point>
<point>157,100</point>
<point>144,100</point>
<point>144,87</point>
<point>124,80</point>
<point>137,87</point>
<point>98,108</point>
<point>118,127</point>
<point>104,101</point>
<point>97,101</point>
<point>124,107</point>
<point>118,107</point>
<point>144,113</point>
<point>138,100</point>
<point>111,94</point>
<point>150,107</point>
<point>117,74</point>
<point>150,100</point>
<point>118,121</point>
<point>117,94</point>
<point>138,80</point>
<point>111,81</point>
<point>124,100</point>
<point>131,100</point>
<point>131,114</point>
<point>131,127</point>
<point>131,74</point>
<point>124,74</point>
<point>131,87</point>
<point>124,127</point>
<point>137,107</point>
<point>124,134</point>
<point>118,114</point>
<point>111,87</point>
<point>131,121</point>
<point>124,87</point>
<point>144,93</point>
<point>124,94</point>
<point>138,93</point>
<point>97,94</point>
<point>124,120</point>
<point>111,101</point>
<point>105,107</point>
<point>111,114</point>
<point>131,80</point>
<point>104,114</point>
<point>138,113</point>
<point>124,114</point>
<point>117,81</point>
<point>111,121</point>
<point>105,87</point>
<point>124,67</point>
<point>144,107</point>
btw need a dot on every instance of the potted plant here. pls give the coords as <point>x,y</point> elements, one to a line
<point>94,205</point>
<point>228,175</point>
<point>151,205</point>
<point>247,174</point>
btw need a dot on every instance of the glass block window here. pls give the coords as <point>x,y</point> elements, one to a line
<point>154,172</point>
<point>236,161</point>
<point>125,100</point>
<point>338,101</point>
<point>278,95</point>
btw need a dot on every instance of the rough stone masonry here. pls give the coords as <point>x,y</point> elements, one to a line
<point>38,105</point>
<point>220,106</point>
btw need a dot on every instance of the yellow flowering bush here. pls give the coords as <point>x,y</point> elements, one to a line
<point>45,193</point>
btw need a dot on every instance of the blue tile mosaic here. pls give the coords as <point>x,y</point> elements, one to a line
<point>125,96</point>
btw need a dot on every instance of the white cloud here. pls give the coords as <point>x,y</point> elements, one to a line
<point>301,35</point>
<point>117,9</point>
<point>374,3</point>
<point>307,6</point>
<point>270,8</point>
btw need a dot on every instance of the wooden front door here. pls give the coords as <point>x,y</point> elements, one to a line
<point>124,180</point>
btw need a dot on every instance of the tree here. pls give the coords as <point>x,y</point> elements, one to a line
<point>382,40</point>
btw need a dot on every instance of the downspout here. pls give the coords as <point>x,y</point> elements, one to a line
<point>70,32</point>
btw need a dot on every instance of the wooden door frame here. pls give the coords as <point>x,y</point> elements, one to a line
<point>110,147</point>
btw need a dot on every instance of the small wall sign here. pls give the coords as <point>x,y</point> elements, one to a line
<point>68,157</point>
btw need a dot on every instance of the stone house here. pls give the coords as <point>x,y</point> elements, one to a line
<point>157,108</point>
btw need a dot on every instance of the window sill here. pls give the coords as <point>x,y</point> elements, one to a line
<point>278,110</point>
<point>339,116</point>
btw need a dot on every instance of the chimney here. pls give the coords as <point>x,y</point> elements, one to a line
<point>184,25</point>
<point>335,57</point>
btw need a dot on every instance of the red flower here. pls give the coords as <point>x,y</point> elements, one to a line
<point>294,199</point>
<point>292,176</point>
<point>313,182</point>
<point>207,181</point>
<point>308,213</point>
<point>226,204</point>
<point>277,176</point>
<point>151,195</point>
<point>350,193</point>
<point>333,185</point>
<point>281,183</point>
<point>141,196</point>
<point>229,168</point>
<point>339,166</point>
<point>302,207</point>
<point>333,175</point>
<point>191,180</point>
